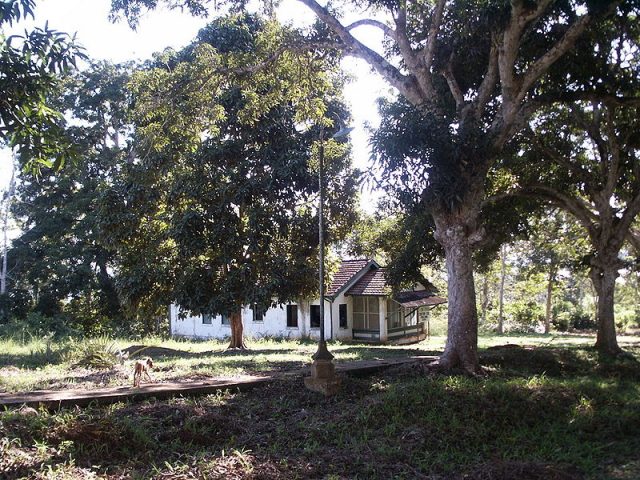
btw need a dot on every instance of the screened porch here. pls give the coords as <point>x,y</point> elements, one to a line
<point>383,319</point>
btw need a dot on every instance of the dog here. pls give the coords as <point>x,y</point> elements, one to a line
<point>140,368</point>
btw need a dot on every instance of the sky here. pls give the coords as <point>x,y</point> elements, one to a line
<point>162,28</point>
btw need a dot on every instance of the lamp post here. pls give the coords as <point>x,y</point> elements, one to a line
<point>323,378</point>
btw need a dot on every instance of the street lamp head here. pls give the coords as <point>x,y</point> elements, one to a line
<point>343,132</point>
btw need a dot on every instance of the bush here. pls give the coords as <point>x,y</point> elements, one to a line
<point>561,321</point>
<point>627,319</point>
<point>101,353</point>
<point>524,316</point>
<point>36,325</point>
<point>580,320</point>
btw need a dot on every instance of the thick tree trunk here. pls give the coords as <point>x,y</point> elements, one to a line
<point>461,350</point>
<point>604,281</point>
<point>237,337</point>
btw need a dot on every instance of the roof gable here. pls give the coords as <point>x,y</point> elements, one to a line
<point>373,282</point>
<point>349,271</point>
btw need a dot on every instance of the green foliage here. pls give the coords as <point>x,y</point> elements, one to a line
<point>58,265</point>
<point>36,325</point>
<point>100,353</point>
<point>219,211</point>
<point>29,65</point>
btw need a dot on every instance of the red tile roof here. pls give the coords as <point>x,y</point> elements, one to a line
<point>372,283</point>
<point>347,270</point>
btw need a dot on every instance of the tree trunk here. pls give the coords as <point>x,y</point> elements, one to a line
<point>109,291</point>
<point>461,350</point>
<point>604,281</point>
<point>485,298</point>
<point>547,317</point>
<point>237,338</point>
<point>503,274</point>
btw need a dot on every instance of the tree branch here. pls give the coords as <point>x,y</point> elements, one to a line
<point>352,46</point>
<point>634,239</point>
<point>553,155</point>
<point>454,88</point>
<point>576,206</point>
<point>540,66</point>
<point>629,215</point>
<point>432,34</point>
<point>489,81</point>
<point>386,29</point>
<point>606,97</point>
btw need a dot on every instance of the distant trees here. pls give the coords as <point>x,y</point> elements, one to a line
<point>587,163</point>
<point>58,259</point>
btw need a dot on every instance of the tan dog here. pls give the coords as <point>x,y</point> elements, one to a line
<point>140,368</point>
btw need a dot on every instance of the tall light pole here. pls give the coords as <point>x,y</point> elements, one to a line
<point>323,378</point>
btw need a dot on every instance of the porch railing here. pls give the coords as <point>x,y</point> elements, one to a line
<point>392,333</point>
<point>362,334</point>
<point>405,331</point>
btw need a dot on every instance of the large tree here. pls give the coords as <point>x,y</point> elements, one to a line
<point>58,257</point>
<point>225,191</point>
<point>468,77</point>
<point>587,162</point>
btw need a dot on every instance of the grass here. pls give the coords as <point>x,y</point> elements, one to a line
<point>549,409</point>
<point>41,364</point>
<point>37,365</point>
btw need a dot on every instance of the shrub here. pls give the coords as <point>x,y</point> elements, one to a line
<point>100,352</point>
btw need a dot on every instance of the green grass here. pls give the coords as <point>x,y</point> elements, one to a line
<point>37,364</point>
<point>550,409</point>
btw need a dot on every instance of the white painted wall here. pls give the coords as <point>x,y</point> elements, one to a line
<point>274,323</point>
<point>334,318</point>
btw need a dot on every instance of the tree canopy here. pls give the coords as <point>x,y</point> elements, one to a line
<point>29,68</point>
<point>223,196</point>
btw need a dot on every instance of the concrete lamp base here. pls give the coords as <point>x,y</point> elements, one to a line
<point>323,378</point>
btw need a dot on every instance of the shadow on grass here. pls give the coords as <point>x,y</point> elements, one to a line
<point>370,353</point>
<point>163,353</point>
<point>31,359</point>
<point>559,362</point>
<point>400,424</point>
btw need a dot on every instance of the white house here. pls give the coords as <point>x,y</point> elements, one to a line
<point>359,306</point>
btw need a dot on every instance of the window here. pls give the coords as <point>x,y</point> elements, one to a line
<point>342,313</point>
<point>315,316</point>
<point>292,316</point>
<point>207,318</point>
<point>366,313</point>
<point>226,320</point>
<point>258,313</point>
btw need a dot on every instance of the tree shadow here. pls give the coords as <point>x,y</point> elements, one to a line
<point>559,362</point>
<point>386,426</point>
<point>373,353</point>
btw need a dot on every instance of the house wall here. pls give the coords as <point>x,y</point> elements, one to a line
<point>274,323</point>
<point>334,321</point>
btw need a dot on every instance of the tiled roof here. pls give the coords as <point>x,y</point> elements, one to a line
<point>372,282</point>
<point>348,268</point>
